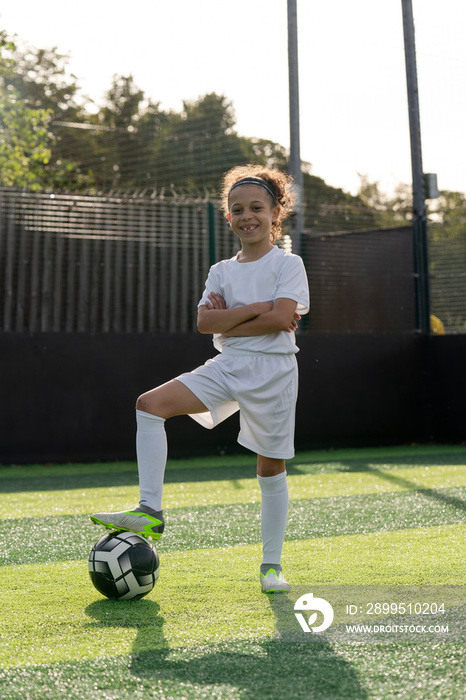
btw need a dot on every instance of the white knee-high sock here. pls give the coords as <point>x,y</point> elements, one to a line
<point>151,450</point>
<point>274,512</point>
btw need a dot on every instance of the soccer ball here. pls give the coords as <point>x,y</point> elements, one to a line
<point>124,566</point>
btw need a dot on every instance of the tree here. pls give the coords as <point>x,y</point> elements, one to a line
<point>25,140</point>
<point>197,145</point>
<point>129,129</point>
<point>36,80</point>
<point>447,216</point>
<point>330,209</point>
<point>390,210</point>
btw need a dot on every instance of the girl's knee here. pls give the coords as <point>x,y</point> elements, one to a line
<point>144,403</point>
<point>268,466</point>
<point>154,402</point>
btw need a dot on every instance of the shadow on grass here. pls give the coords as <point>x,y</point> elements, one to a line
<point>142,615</point>
<point>222,470</point>
<point>408,485</point>
<point>255,669</point>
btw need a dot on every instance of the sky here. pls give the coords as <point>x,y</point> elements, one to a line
<point>352,80</point>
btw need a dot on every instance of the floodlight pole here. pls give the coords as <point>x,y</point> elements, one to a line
<point>297,222</point>
<point>421,266</point>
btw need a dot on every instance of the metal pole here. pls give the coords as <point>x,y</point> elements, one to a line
<point>295,146</point>
<point>421,269</point>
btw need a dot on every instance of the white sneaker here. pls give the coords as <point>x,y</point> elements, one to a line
<point>137,520</point>
<point>272,582</point>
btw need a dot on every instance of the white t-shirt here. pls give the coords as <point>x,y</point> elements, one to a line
<point>276,275</point>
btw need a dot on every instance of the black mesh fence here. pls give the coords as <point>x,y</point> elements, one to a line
<point>100,264</point>
<point>361,281</point>
<point>82,263</point>
<point>447,258</point>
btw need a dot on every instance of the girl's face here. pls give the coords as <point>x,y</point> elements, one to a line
<point>251,214</point>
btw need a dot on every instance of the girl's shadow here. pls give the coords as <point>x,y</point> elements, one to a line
<point>261,666</point>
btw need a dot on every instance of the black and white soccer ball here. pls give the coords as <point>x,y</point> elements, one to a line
<point>124,566</point>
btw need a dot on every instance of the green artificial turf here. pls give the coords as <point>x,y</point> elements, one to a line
<point>201,493</point>
<point>395,516</point>
<point>198,527</point>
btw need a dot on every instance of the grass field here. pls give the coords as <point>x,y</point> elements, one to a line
<point>369,516</point>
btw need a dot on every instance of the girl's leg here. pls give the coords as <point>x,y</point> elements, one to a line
<point>170,399</point>
<point>271,475</point>
<point>152,409</point>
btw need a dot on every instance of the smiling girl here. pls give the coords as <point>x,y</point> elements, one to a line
<point>251,305</point>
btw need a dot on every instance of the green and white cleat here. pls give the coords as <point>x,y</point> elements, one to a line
<point>272,582</point>
<point>142,521</point>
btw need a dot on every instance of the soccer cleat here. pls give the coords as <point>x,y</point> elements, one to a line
<point>137,520</point>
<point>272,582</point>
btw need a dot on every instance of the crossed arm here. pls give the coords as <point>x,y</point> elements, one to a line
<point>258,318</point>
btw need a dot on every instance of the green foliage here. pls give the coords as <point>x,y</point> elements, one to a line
<point>24,137</point>
<point>331,209</point>
<point>389,211</point>
<point>40,77</point>
<point>36,93</point>
<point>447,216</point>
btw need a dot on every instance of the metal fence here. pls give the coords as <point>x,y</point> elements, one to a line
<point>104,264</point>
<point>361,281</point>
<point>447,257</point>
<point>138,264</point>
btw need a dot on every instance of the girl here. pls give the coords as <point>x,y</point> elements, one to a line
<point>251,305</point>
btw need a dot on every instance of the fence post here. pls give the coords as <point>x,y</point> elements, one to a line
<point>421,267</point>
<point>295,166</point>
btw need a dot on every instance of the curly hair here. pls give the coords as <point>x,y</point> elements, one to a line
<point>279,182</point>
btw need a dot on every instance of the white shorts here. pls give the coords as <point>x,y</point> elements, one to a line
<point>264,388</point>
